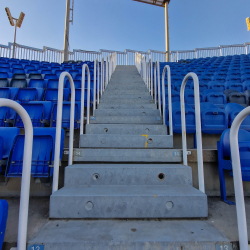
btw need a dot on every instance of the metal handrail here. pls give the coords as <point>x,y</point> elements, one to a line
<point>102,76</point>
<point>59,127</point>
<point>157,66</point>
<point>84,68</point>
<point>167,68</point>
<point>197,125</point>
<point>26,172</point>
<point>237,177</point>
<point>107,72</point>
<point>96,63</point>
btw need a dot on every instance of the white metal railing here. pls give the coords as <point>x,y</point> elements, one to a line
<point>157,81</point>
<point>59,127</point>
<point>197,126</point>
<point>237,177</point>
<point>170,117</point>
<point>96,83</point>
<point>26,172</point>
<point>128,57</point>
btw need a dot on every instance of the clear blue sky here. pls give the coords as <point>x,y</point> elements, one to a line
<point>125,24</point>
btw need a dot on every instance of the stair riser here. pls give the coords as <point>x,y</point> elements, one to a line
<point>110,207</point>
<point>126,106</point>
<point>126,92</point>
<point>77,176</point>
<point>126,129</point>
<point>140,87</point>
<point>111,97</point>
<point>127,155</point>
<point>126,141</point>
<point>126,120</point>
<point>128,112</point>
<point>127,101</point>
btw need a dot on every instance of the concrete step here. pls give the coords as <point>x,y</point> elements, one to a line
<point>80,175</point>
<point>128,129</point>
<point>126,112</point>
<point>128,201</point>
<point>126,141</point>
<point>126,119</point>
<point>126,106</point>
<point>129,235</point>
<point>141,87</point>
<point>127,155</point>
<point>112,97</point>
<point>126,92</point>
<point>128,101</point>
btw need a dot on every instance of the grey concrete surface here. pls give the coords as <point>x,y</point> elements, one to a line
<point>136,235</point>
<point>127,174</point>
<point>221,215</point>
<point>128,201</point>
<point>126,141</point>
<point>126,112</point>
<point>126,106</point>
<point>127,155</point>
<point>127,129</point>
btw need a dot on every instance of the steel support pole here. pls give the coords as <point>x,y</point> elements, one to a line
<point>66,32</point>
<point>14,45</point>
<point>167,30</point>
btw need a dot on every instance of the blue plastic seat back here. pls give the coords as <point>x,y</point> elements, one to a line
<point>41,157</point>
<point>35,76</point>
<point>36,83</point>
<point>189,97</point>
<point>233,79</point>
<point>18,83</point>
<point>213,119</point>
<point>52,84</point>
<point>79,93</point>
<point>35,111</point>
<point>235,86</point>
<point>4,82</point>
<point>5,70</point>
<point>65,116</point>
<point>51,76</point>
<point>8,135</point>
<point>4,75</point>
<point>4,65</point>
<point>26,95</point>
<point>18,71</point>
<point>3,219</point>
<point>16,66</point>
<point>78,84</point>
<point>217,98</point>
<point>4,111</point>
<point>52,95</point>
<point>217,86</point>
<point>175,96</point>
<point>4,93</point>
<point>19,76</point>
<point>203,86</point>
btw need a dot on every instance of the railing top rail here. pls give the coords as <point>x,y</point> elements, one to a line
<point>4,46</point>
<point>156,51</point>
<point>230,46</point>
<point>25,47</point>
<point>208,48</point>
<point>86,51</point>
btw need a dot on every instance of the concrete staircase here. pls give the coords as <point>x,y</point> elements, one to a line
<point>128,170</point>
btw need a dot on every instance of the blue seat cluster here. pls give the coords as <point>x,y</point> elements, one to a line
<point>34,85</point>
<point>12,146</point>
<point>223,80</point>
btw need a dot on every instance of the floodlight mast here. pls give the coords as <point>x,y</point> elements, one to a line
<point>18,23</point>
<point>66,32</point>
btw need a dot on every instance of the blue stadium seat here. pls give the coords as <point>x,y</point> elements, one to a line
<point>18,71</point>
<point>189,97</point>
<point>35,76</point>
<point>47,107</point>
<point>7,136</point>
<point>35,111</point>
<point>214,97</point>
<point>18,83</point>
<point>233,79</point>
<point>203,86</point>
<point>42,154</point>
<point>225,162</point>
<point>78,93</point>
<point>29,94</point>
<point>190,118</point>
<point>4,82</point>
<point>219,79</point>
<point>235,86</point>
<point>52,95</point>
<point>4,75</point>
<point>217,86</point>
<point>245,77</point>
<point>213,119</point>
<point>51,76</point>
<point>36,83</point>
<point>19,76</point>
<point>4,112</point>
<point>52,84</point>
<point>232,110</point>
<point>66,116</point>
<point>3,219</point>
<point>78,84</point>
<point>174,95</point>
<point>234,96</point>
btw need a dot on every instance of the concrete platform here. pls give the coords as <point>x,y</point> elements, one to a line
<point>128,201</point>
<point>134,235</point>
<point>127,112</point>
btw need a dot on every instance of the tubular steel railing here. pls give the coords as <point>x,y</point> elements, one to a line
<point>237,177</point>
<point>170,116</point>
<point>26,172</point>
<point>197,125</point>
<point>59,127</point>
